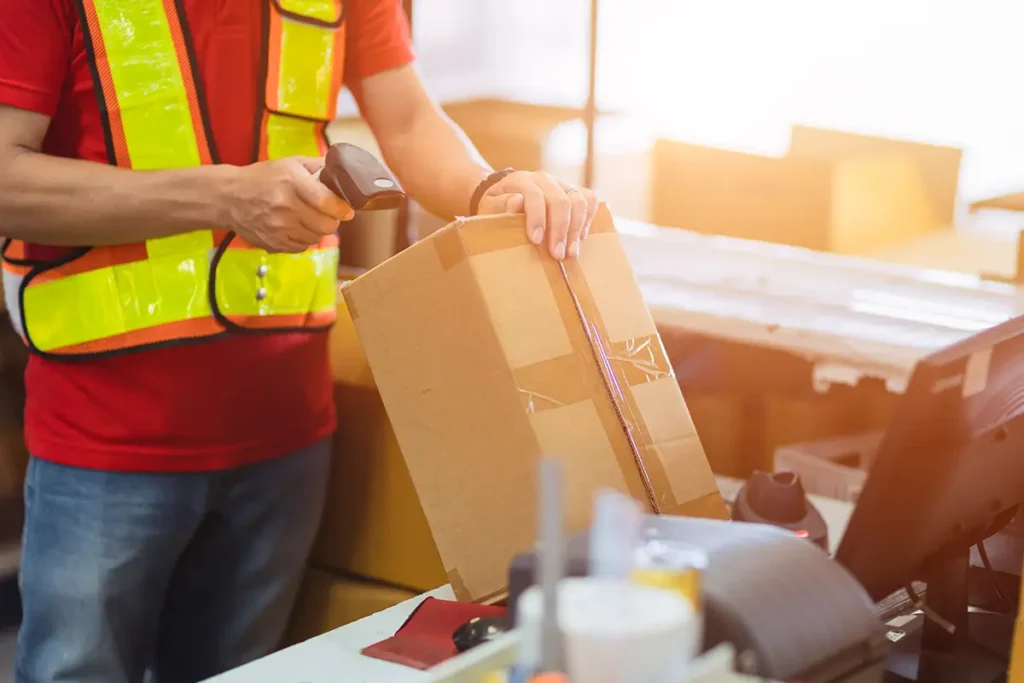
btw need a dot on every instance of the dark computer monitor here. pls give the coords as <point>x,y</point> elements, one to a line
<point>949,473</point>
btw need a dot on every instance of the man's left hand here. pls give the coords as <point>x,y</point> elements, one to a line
<point>557,213</point>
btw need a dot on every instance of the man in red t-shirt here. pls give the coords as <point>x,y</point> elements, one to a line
<point>175,488</point>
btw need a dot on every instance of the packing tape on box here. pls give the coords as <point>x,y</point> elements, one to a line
<point>628,420</point>
<point>621,366</point>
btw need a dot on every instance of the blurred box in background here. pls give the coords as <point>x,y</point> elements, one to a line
<point>13,453</point>
<point>850,206</point>
<point>373,524</point>
<point>831,191</point>
<point>939,165</point>
<point>553,139</point>
<point>326,602</point>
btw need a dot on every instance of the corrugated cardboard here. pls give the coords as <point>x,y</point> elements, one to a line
<point>373,525</point>
<point>848,206</point>
<point>327,602</point>
<point>488,355</point>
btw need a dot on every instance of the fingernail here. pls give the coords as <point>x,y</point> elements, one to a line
<point>559,252</point>
<point>574,249</point>
<point>537,235</point>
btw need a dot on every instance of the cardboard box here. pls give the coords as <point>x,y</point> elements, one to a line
<point>13,453</point>
<point>834,468</point>
<point>939,165</point>
<point>850,206</point>
<point>992,257</point>
<point>488,354</point>
<point>373,525</point>
<point>326,602</point>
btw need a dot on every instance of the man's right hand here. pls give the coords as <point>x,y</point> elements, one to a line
<point>279,206</point>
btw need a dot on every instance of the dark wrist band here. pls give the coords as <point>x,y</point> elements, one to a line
<point>486,184</point>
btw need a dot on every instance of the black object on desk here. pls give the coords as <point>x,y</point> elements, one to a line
<point>779,499</point>
<point>949,474</point>
<point>478,631</point>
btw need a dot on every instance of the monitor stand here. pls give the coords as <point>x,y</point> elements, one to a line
<point>978,651</point>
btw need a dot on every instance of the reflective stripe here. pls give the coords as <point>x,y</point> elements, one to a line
<point>161,290</point>
<point>294,283</point>
<point>144,56</point>
<point>116,300</point>
<point>286,136</point>
<point>323,11</point>
<point>304,69</point>
<point>305,64</point>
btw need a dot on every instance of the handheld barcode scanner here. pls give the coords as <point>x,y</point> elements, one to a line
<point>360,179</point>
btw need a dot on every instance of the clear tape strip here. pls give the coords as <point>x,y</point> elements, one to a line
<point>612,387</point>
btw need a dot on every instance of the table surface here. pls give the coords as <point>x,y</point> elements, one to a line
<point>334,656</point>
<point>851,317</point>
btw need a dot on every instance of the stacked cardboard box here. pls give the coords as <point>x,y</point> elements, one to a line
<point>13,454</point>
<point>327,602</point>
<point>373,525</point>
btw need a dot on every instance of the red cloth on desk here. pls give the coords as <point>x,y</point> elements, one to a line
<point>425,639</point>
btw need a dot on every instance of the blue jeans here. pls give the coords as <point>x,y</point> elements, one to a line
<point>181,575</point>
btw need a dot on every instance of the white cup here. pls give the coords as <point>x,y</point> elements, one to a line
<point>614,631</point>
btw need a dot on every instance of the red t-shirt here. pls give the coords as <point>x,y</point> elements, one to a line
<point>204,406</point>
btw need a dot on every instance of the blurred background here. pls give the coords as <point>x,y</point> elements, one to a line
<point>679,80</point>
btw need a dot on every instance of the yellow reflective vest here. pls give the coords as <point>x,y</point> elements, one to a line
<point>102,300</point>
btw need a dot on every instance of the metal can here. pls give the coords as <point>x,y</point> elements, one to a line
<point>673,565</point>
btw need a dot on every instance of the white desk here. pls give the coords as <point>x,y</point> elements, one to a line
<point>334,657</point>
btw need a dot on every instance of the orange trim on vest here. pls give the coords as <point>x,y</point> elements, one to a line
<point>184,329</point>
<point>262,322</point>
<point>101,257</point>
<point>326,243</point>
<point>273,38</point>
<point>113,111</point>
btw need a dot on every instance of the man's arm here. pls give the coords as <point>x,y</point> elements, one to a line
<point>441,169</point>
<point>49,200</point>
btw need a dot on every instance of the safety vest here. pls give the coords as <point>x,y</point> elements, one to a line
<point>102,300</point>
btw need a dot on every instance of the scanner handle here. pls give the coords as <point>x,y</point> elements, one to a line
<point>359,178</point>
